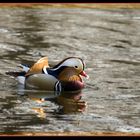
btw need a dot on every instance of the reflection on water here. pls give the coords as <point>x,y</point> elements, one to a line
<point>67,102</point>
<point>108,41</point>
<point>25,112</point>
<point>71,103</point>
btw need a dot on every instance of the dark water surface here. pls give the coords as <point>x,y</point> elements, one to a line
<point>108,41</point>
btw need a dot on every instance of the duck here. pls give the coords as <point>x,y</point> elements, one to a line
<point>67,75</point>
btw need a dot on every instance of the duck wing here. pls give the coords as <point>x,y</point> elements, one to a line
<point>38,66</point>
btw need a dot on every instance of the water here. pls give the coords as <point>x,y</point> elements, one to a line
<point>107,40</point>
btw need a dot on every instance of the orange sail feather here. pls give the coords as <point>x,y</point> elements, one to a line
<point>38,66</point>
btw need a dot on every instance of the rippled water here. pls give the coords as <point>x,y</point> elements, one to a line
<point>108,41</point>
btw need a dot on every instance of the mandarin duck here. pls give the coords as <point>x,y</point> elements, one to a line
<point>65,76</point>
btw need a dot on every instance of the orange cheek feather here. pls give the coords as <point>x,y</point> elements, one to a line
<point>69,74</point>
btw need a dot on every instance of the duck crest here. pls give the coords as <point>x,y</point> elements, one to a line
<point>60,63</point>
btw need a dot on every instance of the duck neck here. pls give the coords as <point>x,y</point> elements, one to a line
<point>55,71</point>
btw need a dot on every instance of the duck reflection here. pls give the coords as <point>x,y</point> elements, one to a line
<point>68,102</point>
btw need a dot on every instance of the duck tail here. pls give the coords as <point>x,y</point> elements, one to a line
<point>24,70</point>
<point>15,73</point>
<point>24,67</point>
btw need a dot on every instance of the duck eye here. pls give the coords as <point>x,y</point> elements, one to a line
<point>76,67</point>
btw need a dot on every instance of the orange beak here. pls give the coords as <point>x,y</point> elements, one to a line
<point>83,73</point>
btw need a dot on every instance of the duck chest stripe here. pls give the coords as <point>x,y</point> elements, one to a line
<point>57,87</point>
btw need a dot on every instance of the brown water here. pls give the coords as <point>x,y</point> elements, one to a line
<point>108,41</point>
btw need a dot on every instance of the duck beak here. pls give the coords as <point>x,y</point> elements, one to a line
<point>83,73</point>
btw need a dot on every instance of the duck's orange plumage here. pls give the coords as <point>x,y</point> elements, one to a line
<point>38,66</point>
<point>69,74</point>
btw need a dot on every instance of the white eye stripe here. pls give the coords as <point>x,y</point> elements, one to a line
<point>73,62</point>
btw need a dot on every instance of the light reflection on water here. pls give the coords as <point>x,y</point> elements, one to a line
<point>108,41</point>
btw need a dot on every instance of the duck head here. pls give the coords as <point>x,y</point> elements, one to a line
<point>70,69</point>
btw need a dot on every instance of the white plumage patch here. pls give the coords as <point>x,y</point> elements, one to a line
<point>25,68</point>
<point>21,79</point>
<point>45,70</point>
<point>72,62</point>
